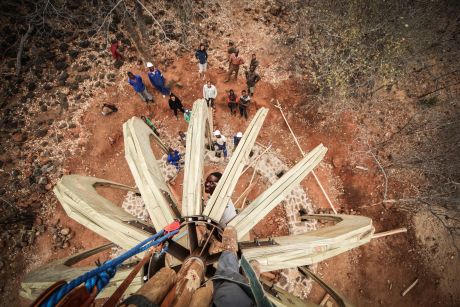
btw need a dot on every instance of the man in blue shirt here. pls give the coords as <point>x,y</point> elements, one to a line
<point>202,57</point>
<point>138,85</point>
<point>157,79</point>
<point>174,158</point>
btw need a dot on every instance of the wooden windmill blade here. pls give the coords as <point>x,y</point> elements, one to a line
<point>84,204</point>
<point>315,246</point>
<point>198,128</point>
<point>221,196</point>
<point>271,197</point>
<point>147,173</point>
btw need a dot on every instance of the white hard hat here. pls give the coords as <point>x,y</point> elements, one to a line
<point>149,64</point>
<point>239,135</point>
<point>216,133</point>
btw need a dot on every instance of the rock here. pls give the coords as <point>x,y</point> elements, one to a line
<point>41,132</point>
<point>65,245</point>
<point>63,101</point>
<point>62,125</point>
<point>179,85</point>
<point>60,65</point>
<point>19,137</point>
<point>83,68</point>
<point>65,231</point>
<point>74,86</point>
<point>84,43</point>
<point>31,86</point>
<point>72,125</point>
<point>42,181</point>
<point>73,53</point>
<point>43,108</point>
<point>63,76</point>
<point>118,64</point>
<point>111,77</point>
<point>64,47</point>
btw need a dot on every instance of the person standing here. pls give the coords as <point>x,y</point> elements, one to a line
<point>231,49</point>
<point>209,94</point>
<point>244,104</point>
<point>157,79</point>
<point>254,63</point>
<point>202,57</point>
<point>138,85</point>
<point>232,102</point>
<point>237,138</point>
<point>235,62</point>
<point>114,50</point>
<point>175,104</point>
<point>187,116</point>
<point>220,143</point>
<point>251,80</point>
<point>174,158</point>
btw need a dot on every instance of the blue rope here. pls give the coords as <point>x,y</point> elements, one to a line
<point>101,275</point>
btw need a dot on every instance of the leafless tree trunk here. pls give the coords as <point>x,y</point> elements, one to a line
<point>21,49</point>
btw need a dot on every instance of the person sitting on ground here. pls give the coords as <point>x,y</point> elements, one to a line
<point>202,57</point>
<point>183,138</point>
<point>209,187</point>
<point>187,115</point>
<point>220,144</point>
<point>251,80</point>
<point>157,79</point>
<point>116,55</point>
<point>237,138</point>
<point>108,109</point>
<point>254,63</point>
<point>244,104</point>
<point>151,125</point>
<point>235,62</point>
<point>232,102</point>
<point>138,85</point>
<point>209,94</point>
<point>175,104</point>
<point>174,158</point>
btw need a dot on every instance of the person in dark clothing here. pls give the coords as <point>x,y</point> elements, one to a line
<point>232,102</point>
<point>237,138</point>
<point>202,57</point>
<point>244,104</point>
<point>174,158</point>
<point>254,63</point>
<point>251,80</point>
<point>157,79</point>
<point>175,104</point>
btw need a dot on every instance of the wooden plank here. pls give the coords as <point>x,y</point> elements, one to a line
<point>412,285</point>
<point>194,159</point>
<point>220,197</point>
<point>389,233</point>
<point>156,288</point>
<point>147,173</point>
<point>265,202</point>
<point>312,247</point>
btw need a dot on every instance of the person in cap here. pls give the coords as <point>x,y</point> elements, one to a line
<point>157,79</point>
<point>237,138</point>
<point>202,57</point>
<point>220,143</point>
<point>244,104</point>
<point>175,104</point>
<point>209,94</point>
<point>187,115</point>
<point>138,85</point>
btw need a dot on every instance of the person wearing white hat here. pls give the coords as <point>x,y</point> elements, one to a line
<point>157,79</point>
<point>220,143</point>
<point>237,139</point>
<point>187,115</point>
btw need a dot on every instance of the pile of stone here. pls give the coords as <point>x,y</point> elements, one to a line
<point>61,236</point>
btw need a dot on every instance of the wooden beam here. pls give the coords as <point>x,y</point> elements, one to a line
<point>221,196</point>
<point>389,233</point>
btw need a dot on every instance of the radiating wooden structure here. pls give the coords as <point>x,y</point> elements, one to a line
<point>82,203</point>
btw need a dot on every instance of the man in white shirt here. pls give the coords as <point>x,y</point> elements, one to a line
<point>220,143</point>
<point>209,94</point>
<point>209,187</point>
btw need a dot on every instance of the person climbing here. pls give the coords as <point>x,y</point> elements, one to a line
<point>108,109</point>
<point>235,62</point>
<point>175,104</point>
<point>237,138</point>
<point>244,104</point>
<point>174,158</point>
<point>157,79</point>
<point>116,55</point>
<point>202,57</point>
<point>209,186</point>
<point>138,85</point>
<point>232,102</point>
<point>220,144</point>
<point>209,94</point>
<point>251,80</point>
<point>187,115</point>
<point>150,124</point>
<point>254,62</point>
